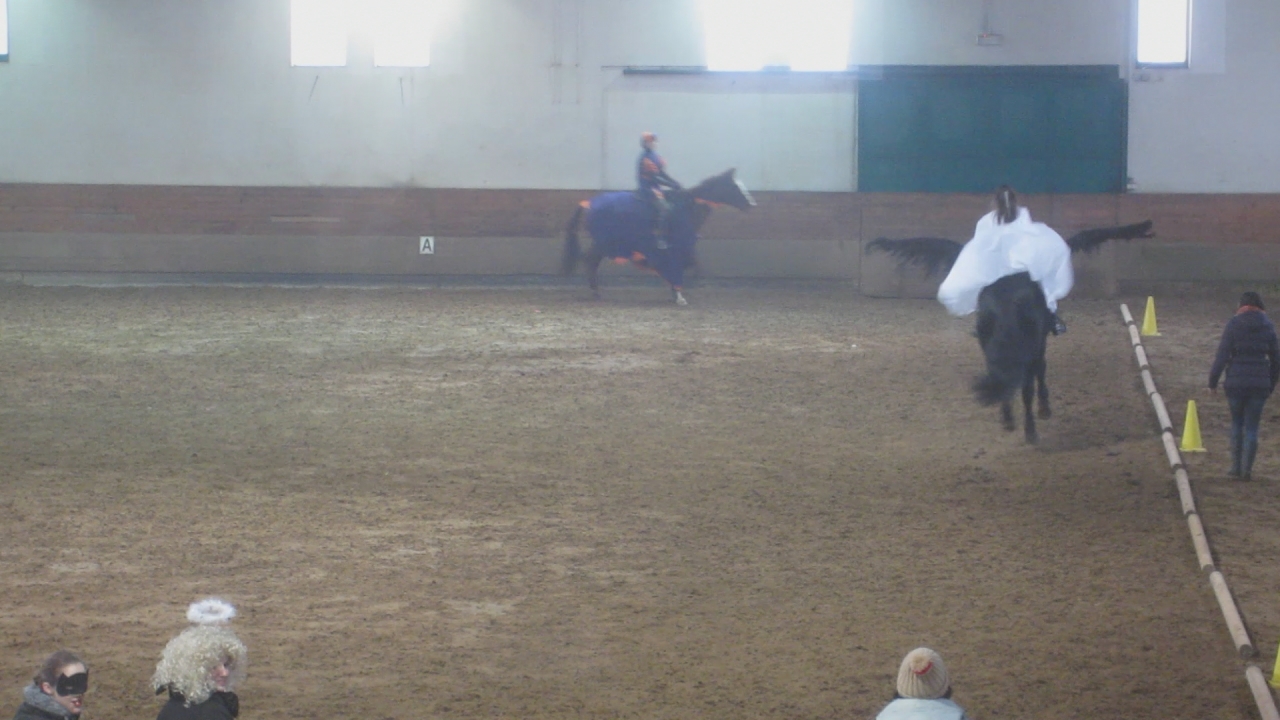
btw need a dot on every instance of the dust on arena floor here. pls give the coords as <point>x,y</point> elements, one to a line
<point>519,503</point>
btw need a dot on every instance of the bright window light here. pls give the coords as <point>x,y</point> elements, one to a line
<point>402,32</point>
<point>798,34</point>
<point>4,29</point>
<point>318,32</point>
<point>1163,31</point>
<point>400,29</point>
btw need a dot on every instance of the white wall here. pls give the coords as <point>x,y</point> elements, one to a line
<point>530,94</point>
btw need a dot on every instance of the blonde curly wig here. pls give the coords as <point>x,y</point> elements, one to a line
<point>190,657</point>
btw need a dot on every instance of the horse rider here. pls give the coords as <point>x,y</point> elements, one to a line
<point>651,178</point>
<point>1005,242</point>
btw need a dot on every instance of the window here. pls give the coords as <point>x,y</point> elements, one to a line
<point>400,29</point>
<point>318,32</point>
<point>1163,32</point>
<point>402,33</point>
<point>810,35</point>
<point>4,30</point>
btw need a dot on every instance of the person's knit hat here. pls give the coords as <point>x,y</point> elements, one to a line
<point>923,675</point>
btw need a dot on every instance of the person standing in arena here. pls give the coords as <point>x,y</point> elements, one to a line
<point>1250,355</point>
<point>201,667</point>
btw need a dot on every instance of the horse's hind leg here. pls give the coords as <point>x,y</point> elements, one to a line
<point>1006,416</point>
<point>1043,391</point>
<point>1028,394</point>
<point>592,262</point>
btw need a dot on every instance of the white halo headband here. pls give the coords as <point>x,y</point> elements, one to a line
<point>211,611</point>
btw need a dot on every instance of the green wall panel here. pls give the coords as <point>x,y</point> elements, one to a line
<point>1041,129</point>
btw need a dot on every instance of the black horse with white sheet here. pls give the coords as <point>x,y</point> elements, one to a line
<point>1014,321</point>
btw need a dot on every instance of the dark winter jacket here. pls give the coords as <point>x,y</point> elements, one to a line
<point>27,711</point>
<point>651,174</point>
<point>219,706</point>
<point>1248,352</point>
<point>38,706</point>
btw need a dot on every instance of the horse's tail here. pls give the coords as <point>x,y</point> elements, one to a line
<point>997,386</point>
<point>990,390</point>
<point>572,248</point>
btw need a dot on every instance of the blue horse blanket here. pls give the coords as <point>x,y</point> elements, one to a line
<point>621,225</point>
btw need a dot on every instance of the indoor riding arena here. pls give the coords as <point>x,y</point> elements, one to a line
<point>284,323</point>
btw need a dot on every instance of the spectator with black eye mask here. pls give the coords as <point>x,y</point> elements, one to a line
<point>57,691</point>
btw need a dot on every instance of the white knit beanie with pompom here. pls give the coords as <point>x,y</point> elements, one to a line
<point>923,675</point>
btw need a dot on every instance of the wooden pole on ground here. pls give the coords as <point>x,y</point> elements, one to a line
<point>1148,383</point>
<point>1162,413</point>
<point>1184,491</point>
<point>1261,695</point>
<point>1171,449</point>
<point>1201,542</point>
<point>1235,625</point>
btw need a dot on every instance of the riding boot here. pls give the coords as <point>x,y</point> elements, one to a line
<point>1249,453</point>
<point>1236,452</point>
<point>664,215</point>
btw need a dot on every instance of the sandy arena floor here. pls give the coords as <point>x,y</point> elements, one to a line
<point>517,503</point>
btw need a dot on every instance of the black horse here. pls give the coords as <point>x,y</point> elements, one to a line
<point>1013,330</point>
<point>622,224</point>
<point>1013,319</point>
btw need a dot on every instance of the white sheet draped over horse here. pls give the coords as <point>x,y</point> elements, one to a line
<point>998,250</point>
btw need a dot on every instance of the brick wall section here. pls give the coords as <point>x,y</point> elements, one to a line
<point>261,232</point>
<point>345,212</point>
<point>170,210</point>
<point>1235,219</point>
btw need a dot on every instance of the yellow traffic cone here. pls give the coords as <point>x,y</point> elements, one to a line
<point>1275,674</point>
<point>1149,319</point>
<point>1191,430</point>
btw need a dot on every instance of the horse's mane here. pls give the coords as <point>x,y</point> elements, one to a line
<point>723,189</point>
<point>708,184</point>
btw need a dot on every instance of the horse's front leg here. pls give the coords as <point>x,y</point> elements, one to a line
<point>1029,422</point>
<point>1006,416</point>
<point>1043,390</point>
<point>592,262</point>
<point>677,294</point>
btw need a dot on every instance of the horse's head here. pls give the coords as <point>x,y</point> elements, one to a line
<point>723,189</point>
